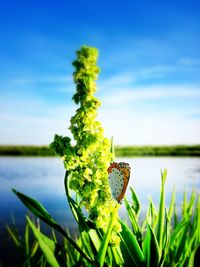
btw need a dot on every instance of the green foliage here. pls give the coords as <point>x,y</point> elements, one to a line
<point>37,208</point>
<point>154,243</point>
<point>26,247</point>
<point>47,245</point>
<point>130,246</point>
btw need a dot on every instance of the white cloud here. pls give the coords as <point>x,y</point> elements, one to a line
<point>128,127</point>
<point>27,119</point>
<point>22,129</point>
<point>126,94</point>
<point>32,120</point>
<point>124,116</point>
<point>135,76</point>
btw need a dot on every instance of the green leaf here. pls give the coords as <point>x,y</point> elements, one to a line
<point>198,218</point>
<point>181,244</point>
<point>175,215</point>
<point>184,205</point>
<point>176,233</point>
<point>161,213</point>
<point>14,236</point>
<point>151,248</point>
<point>132,253</point>
<point>35,207</point>
<point>195,258</point>
<point>117,256</point>
<point>40,211</point>
<point>171,206</point>
<point>94,236</point>
<point>100,258</point>
<point>133,221</point>
<point>191,203</point>
<point>33,251</point>
<point>136,202</point>
<point>27,240</point>
<point>152,216</point>
<point>47,245</point>
<point>164,252</point>
<point>86,244</point>
<point>188,251</point>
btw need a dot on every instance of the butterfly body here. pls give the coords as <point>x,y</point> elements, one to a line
<point>118,174</point>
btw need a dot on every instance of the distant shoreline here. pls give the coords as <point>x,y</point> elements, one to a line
<point>120,151</point>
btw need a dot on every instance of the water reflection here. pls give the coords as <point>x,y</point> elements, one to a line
<point>42,179</point>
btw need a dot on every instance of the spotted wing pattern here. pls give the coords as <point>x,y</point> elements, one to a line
<point>118,174</point>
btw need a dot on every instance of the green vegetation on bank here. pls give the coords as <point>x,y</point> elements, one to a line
<point>140,151</point>
<point>121,151</point>
<point>15,150</point>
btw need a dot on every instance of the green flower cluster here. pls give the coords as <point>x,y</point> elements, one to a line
<point>88,160</point>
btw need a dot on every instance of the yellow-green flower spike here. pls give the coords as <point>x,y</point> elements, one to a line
<point>87,161</point>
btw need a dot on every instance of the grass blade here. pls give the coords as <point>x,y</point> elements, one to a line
<point>188,249</point>
<point>26,239</point>
<point>175,215</point>
<point>94,236</point>
<point>165,250</point>
<point>171,206</point>
<point>177,232</point>
<point>47,245</point>
<point>136,202</point>
<point>198,219</point>
<point>184,205</point>
<point>161,213</point>
<point>195,258</point>
<point>133,221</point>
<point>35,207</point>
<point>152,216</point>
<point>14,236</point>
<point>130,246</point>
<point>33,251</point>
<point>181,244</point>
<point>100,258</point>
<point>117,256</point>
<point>41,212</point>
<point>191,203</point>
<point>151,248</point>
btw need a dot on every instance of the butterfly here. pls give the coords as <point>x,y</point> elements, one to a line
<point>118,175</point>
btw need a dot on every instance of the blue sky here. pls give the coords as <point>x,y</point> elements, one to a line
<point>150,68</point>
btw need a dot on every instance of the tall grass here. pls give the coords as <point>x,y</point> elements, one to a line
<point>163,238</point>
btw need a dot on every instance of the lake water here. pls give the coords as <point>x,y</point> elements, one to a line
<point>42,179</point>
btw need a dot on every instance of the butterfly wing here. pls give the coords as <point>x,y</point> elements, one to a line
<point>119,174</point>
<point>125,169</point>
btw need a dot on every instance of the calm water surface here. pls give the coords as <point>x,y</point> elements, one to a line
<point>42,179</point>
